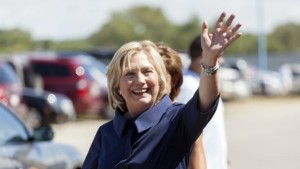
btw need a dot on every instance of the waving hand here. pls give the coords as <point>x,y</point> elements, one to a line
<point>214,43</point>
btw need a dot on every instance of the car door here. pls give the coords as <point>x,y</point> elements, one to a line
<point>17,142</point>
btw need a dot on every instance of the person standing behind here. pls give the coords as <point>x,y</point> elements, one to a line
<point>214,137</point>
<point>174,68</point>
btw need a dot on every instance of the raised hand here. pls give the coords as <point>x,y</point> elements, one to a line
<point>214,43</point>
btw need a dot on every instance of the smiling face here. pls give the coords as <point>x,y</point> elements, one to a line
<point>139,84</point>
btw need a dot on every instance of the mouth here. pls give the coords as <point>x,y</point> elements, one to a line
<point>140,91</point>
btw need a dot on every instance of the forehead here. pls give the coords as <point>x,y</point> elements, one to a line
<point>138,60</point>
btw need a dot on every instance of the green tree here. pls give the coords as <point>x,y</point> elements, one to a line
<point>143,22</point>
<point>15,40</point>
<point>79,44</point>
<point>138,23</point>
<point>247,43</point>
<point>185,34</point>
<point>285,38</point>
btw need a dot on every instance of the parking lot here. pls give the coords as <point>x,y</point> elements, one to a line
<point>262,133</point>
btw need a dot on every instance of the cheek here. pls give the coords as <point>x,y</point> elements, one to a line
<point>124,84</point>
<point>155,83</point>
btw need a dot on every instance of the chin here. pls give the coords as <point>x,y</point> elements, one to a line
<point>145,102</point>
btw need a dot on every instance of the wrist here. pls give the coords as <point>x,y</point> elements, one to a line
<point>210,70</point>
<point>210,60</point>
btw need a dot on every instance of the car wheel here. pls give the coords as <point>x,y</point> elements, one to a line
<point>59,119</point>
<point>34,118</point>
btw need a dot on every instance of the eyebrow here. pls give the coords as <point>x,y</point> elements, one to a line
<point>132,69</point>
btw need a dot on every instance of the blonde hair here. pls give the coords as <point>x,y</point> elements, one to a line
<point>121,59</point>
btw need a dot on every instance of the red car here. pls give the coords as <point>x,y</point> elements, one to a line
<point>76,77</point>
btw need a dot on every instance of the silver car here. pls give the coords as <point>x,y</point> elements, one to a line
<point>33,149</point>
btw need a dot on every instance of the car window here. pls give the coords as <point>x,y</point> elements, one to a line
<point>11,129</point>
<point>7,74</point>
<point>51,70</point>
<point>94,73</point>
<point>101,66</point>
<point>90,60</point>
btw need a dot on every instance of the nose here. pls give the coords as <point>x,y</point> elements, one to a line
<point>140,78</point>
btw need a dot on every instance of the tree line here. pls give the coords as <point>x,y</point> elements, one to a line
<point>143,22</point>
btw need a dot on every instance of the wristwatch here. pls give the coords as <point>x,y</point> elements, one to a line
<point>208,71</point>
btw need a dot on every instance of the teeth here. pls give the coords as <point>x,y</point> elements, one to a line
<point>140,91</point>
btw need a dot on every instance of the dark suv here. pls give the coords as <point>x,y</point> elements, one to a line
<point>76,77</point>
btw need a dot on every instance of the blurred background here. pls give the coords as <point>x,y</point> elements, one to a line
<point>53,58</point>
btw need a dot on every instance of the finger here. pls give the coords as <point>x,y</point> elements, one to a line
<point>236,28</point>
<point>231,32</point>
<point>205,39</point>
<point>228,23</point>
<point>205,29</point>
<point>219,23</point>
<point>233,38</point>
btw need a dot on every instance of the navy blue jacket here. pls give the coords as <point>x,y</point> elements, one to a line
<point>159,138</point>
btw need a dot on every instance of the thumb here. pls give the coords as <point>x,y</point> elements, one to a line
<point>205,37</point>
<point>205,28</point>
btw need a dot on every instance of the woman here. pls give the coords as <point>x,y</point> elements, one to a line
<point>175,79</point>
<point>148,131</point>
<point>174,67</point>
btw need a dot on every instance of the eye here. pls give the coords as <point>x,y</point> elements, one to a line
<point>129,73</point>
<point>148,70</point>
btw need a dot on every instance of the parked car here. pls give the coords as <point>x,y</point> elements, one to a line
<point>102,54</point>
<point>33,148</point>
<point>233,86</point>
<point>9,163</point>
<point>295,70</point>
<point>48,107</point>
<point>267,82</point>
<point>11,89</point>
<point>42,106</point>
<point>97,71</point>
<point>76,77</point>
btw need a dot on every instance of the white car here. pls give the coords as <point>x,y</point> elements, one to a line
<point>267,82</point>
<point>295,70</point>
<point>233,86</point>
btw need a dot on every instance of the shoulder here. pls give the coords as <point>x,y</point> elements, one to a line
<point>173,110</point>
<point>106,128</point>
<point>107,124</point>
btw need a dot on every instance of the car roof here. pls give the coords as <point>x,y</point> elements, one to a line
<point>66,56</point>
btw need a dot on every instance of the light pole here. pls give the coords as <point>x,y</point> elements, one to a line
<point>261,39</point>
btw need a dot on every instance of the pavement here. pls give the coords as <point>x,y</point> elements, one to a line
<point>262,133</point>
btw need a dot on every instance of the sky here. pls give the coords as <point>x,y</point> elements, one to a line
<point>72,19</point>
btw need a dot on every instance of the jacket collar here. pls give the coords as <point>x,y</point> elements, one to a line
<point>145,120</point>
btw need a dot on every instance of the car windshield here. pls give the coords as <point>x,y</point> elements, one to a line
<point>95,69</point>
<point>7,74</point>
<point>11,129</point>
<point>94,73</point>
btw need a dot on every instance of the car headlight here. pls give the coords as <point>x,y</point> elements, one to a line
<point>51,98</point>
<point>14,99</point>
<point>66,106</point>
